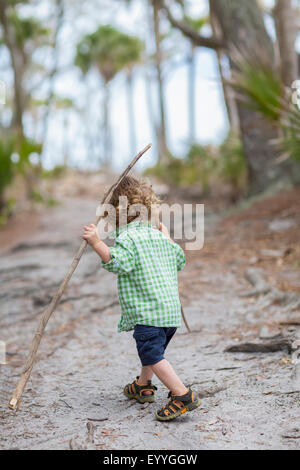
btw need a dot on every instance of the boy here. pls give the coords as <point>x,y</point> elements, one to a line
<point>146,261</point>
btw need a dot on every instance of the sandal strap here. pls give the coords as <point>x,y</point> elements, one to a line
<point>149,387</point>
<point>135,388</point>
<point>183,398</point>
<point>172,407</point>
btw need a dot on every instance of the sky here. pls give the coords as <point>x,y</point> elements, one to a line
<point>87,93</point>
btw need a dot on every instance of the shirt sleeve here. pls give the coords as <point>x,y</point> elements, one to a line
<point>122,257</point>
<point>180,257</point>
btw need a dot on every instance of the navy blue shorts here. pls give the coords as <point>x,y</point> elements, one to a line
<point>151,342</point>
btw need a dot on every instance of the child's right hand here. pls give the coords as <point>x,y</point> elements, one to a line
<point>90,234</point>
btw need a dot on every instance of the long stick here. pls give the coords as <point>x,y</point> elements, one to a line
<point>185,320</point>
<point>15,399</point>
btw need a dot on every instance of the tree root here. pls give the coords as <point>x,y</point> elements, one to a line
<point>211,391</point>
<point>289,300</point>
<point>254,277</point>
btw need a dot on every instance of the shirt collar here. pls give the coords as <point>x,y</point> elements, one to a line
<point>115,233</point>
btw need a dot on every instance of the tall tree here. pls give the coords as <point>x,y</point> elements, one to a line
<point>17,121</point>
<point>162,138</point>
<point>192,93</point>
<point>229,95</point>
<point>110,51</point>
<point>243,29</point>
<point>21,36</point>
<point>59,4</point>
<point>242,26</point>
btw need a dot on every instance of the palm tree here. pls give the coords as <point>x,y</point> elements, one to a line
<point>263,91</point>
<point>21,36</point>
<point>110,51</point>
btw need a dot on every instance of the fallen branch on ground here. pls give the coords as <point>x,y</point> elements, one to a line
<point>290,322</point>
<point>284,344</point>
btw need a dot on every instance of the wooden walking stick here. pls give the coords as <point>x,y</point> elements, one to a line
<point>15,399</point>
<point>185,320</point>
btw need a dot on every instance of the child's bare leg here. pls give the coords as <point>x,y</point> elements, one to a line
<point>166,374</point>
<point>145,375</point>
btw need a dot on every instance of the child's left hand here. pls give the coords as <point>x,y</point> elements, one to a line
<point>90,234</point>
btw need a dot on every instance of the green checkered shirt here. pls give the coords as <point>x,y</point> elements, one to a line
<point>146,263</point>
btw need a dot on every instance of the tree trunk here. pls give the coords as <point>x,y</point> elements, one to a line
<point>229,95</point>
<point>191,94</point>
<point>17,120</point>
<point>59,24</point>
<point>106,128</point>
<point>131,119</point>
<point>65,139</point>
<point>148,76</point>
<point>243,28</point>
<point>286,31</point>
<point>162,140</point>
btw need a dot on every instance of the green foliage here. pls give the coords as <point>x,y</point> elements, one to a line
<point>109,50</point>
<point>197,23</point>
<point>233,167</point>
<point>14,159</point>
<point>261,87</point>
<point>6,211</point>
<point>26,29</point>
<point>56,172</point>
<point>39,198</point>
<point>206,166</point>
<point>25,149</point>
<point>6,165</point>
<point>289,143</point>
<point>201,165</point>
<point>196,168</point>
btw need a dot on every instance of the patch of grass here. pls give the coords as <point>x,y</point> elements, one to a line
<point>6,167</point>
<point>56,172</point>
<point>7,211</point>
<point>39,198</point>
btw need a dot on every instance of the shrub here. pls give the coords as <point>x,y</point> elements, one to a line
<point>232,161</point>
<point>196,168</point>
<point>6,167</point>
<point>206,166</point>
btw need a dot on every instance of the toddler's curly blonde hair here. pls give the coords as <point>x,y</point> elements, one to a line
<point>137,191</point>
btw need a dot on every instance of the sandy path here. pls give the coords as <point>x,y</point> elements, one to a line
<point>84,363</point>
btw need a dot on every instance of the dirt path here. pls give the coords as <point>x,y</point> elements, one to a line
<point>249,400</point>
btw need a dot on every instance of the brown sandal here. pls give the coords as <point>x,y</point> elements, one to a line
<point>135,391</point>
<point>177,406</point>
